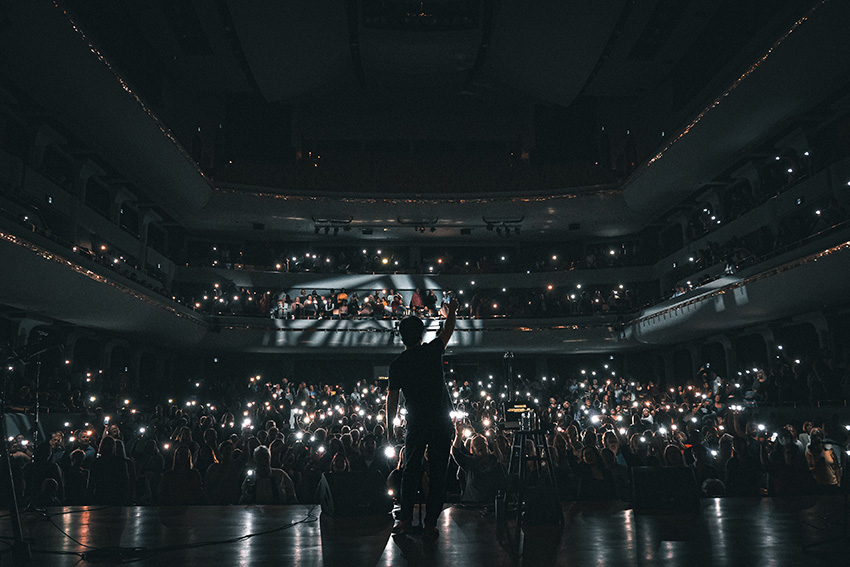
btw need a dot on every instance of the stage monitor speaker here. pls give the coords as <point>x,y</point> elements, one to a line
<point>354,494</point>
<point>664,489</point>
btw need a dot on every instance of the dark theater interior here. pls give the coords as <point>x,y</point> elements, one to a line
<point>424,282</point>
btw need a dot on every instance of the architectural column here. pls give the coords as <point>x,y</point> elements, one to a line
<point>145,221</point>
<point>121,196</point>
<point>728,355</point>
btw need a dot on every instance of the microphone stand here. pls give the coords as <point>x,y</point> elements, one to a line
<point>21,552</point>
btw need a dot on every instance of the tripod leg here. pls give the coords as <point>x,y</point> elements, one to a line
<point>21,553</point>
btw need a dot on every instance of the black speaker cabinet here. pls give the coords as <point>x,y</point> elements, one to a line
<point>671,489</point>
<point>354,494</point>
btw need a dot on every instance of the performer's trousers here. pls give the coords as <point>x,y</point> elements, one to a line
<point>438,441</point>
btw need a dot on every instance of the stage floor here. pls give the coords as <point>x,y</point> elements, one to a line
<point>749,532</point>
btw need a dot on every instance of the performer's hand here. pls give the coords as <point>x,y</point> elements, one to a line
<point>453,304</point>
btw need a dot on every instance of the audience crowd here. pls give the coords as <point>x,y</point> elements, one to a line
<point>394,304</point>
<point>739,252</point>
<point>270,443</point>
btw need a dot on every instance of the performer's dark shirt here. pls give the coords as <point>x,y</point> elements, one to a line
<point>418,373</point>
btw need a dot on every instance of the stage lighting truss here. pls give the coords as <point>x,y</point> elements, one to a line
<point>504,226</point>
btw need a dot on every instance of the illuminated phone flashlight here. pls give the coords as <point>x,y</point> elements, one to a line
<point>389,452</point>
<point>390,491</point>
<point>250,472</point>
<point>486,423</point>
<point>713,453</point>
<point>72,438</point>
<point>142,430</point>
<point>321,449</point>
<point>397,421</point>
<point>622,431</point>
<point>642,439</point>
<point>166,446</point>
<point>662,430</point>
<point>761,427</point>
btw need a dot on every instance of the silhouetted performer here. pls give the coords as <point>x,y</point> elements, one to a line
<point>418,372</point>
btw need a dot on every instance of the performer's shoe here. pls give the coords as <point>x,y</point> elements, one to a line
<point>402,527</point>
<point>430,533</point>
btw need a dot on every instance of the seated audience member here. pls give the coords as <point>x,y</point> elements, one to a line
<point>786,466</point>
<point>743,472</point>
<point>222,485</point>
<point>181,485</point>
<point>483,471</point>
<point>109,476</point>
<point>48,495</point>
<point>673,457</point>
<point>267,485</point>
<point>76,480</point>
<point>204,459</point>
<point>704,468</point>
<point>619,472</point>
<point>44,465</point>
<point>595,481</point>
<point>368,460</point>
<point>132,479</point>
<point>823,463</point>
<point>151,465</point>
<point>339,463</point>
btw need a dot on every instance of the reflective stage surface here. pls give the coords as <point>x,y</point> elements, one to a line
<point>750,532</point>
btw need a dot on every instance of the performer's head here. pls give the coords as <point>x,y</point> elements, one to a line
<point>411,330</point>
